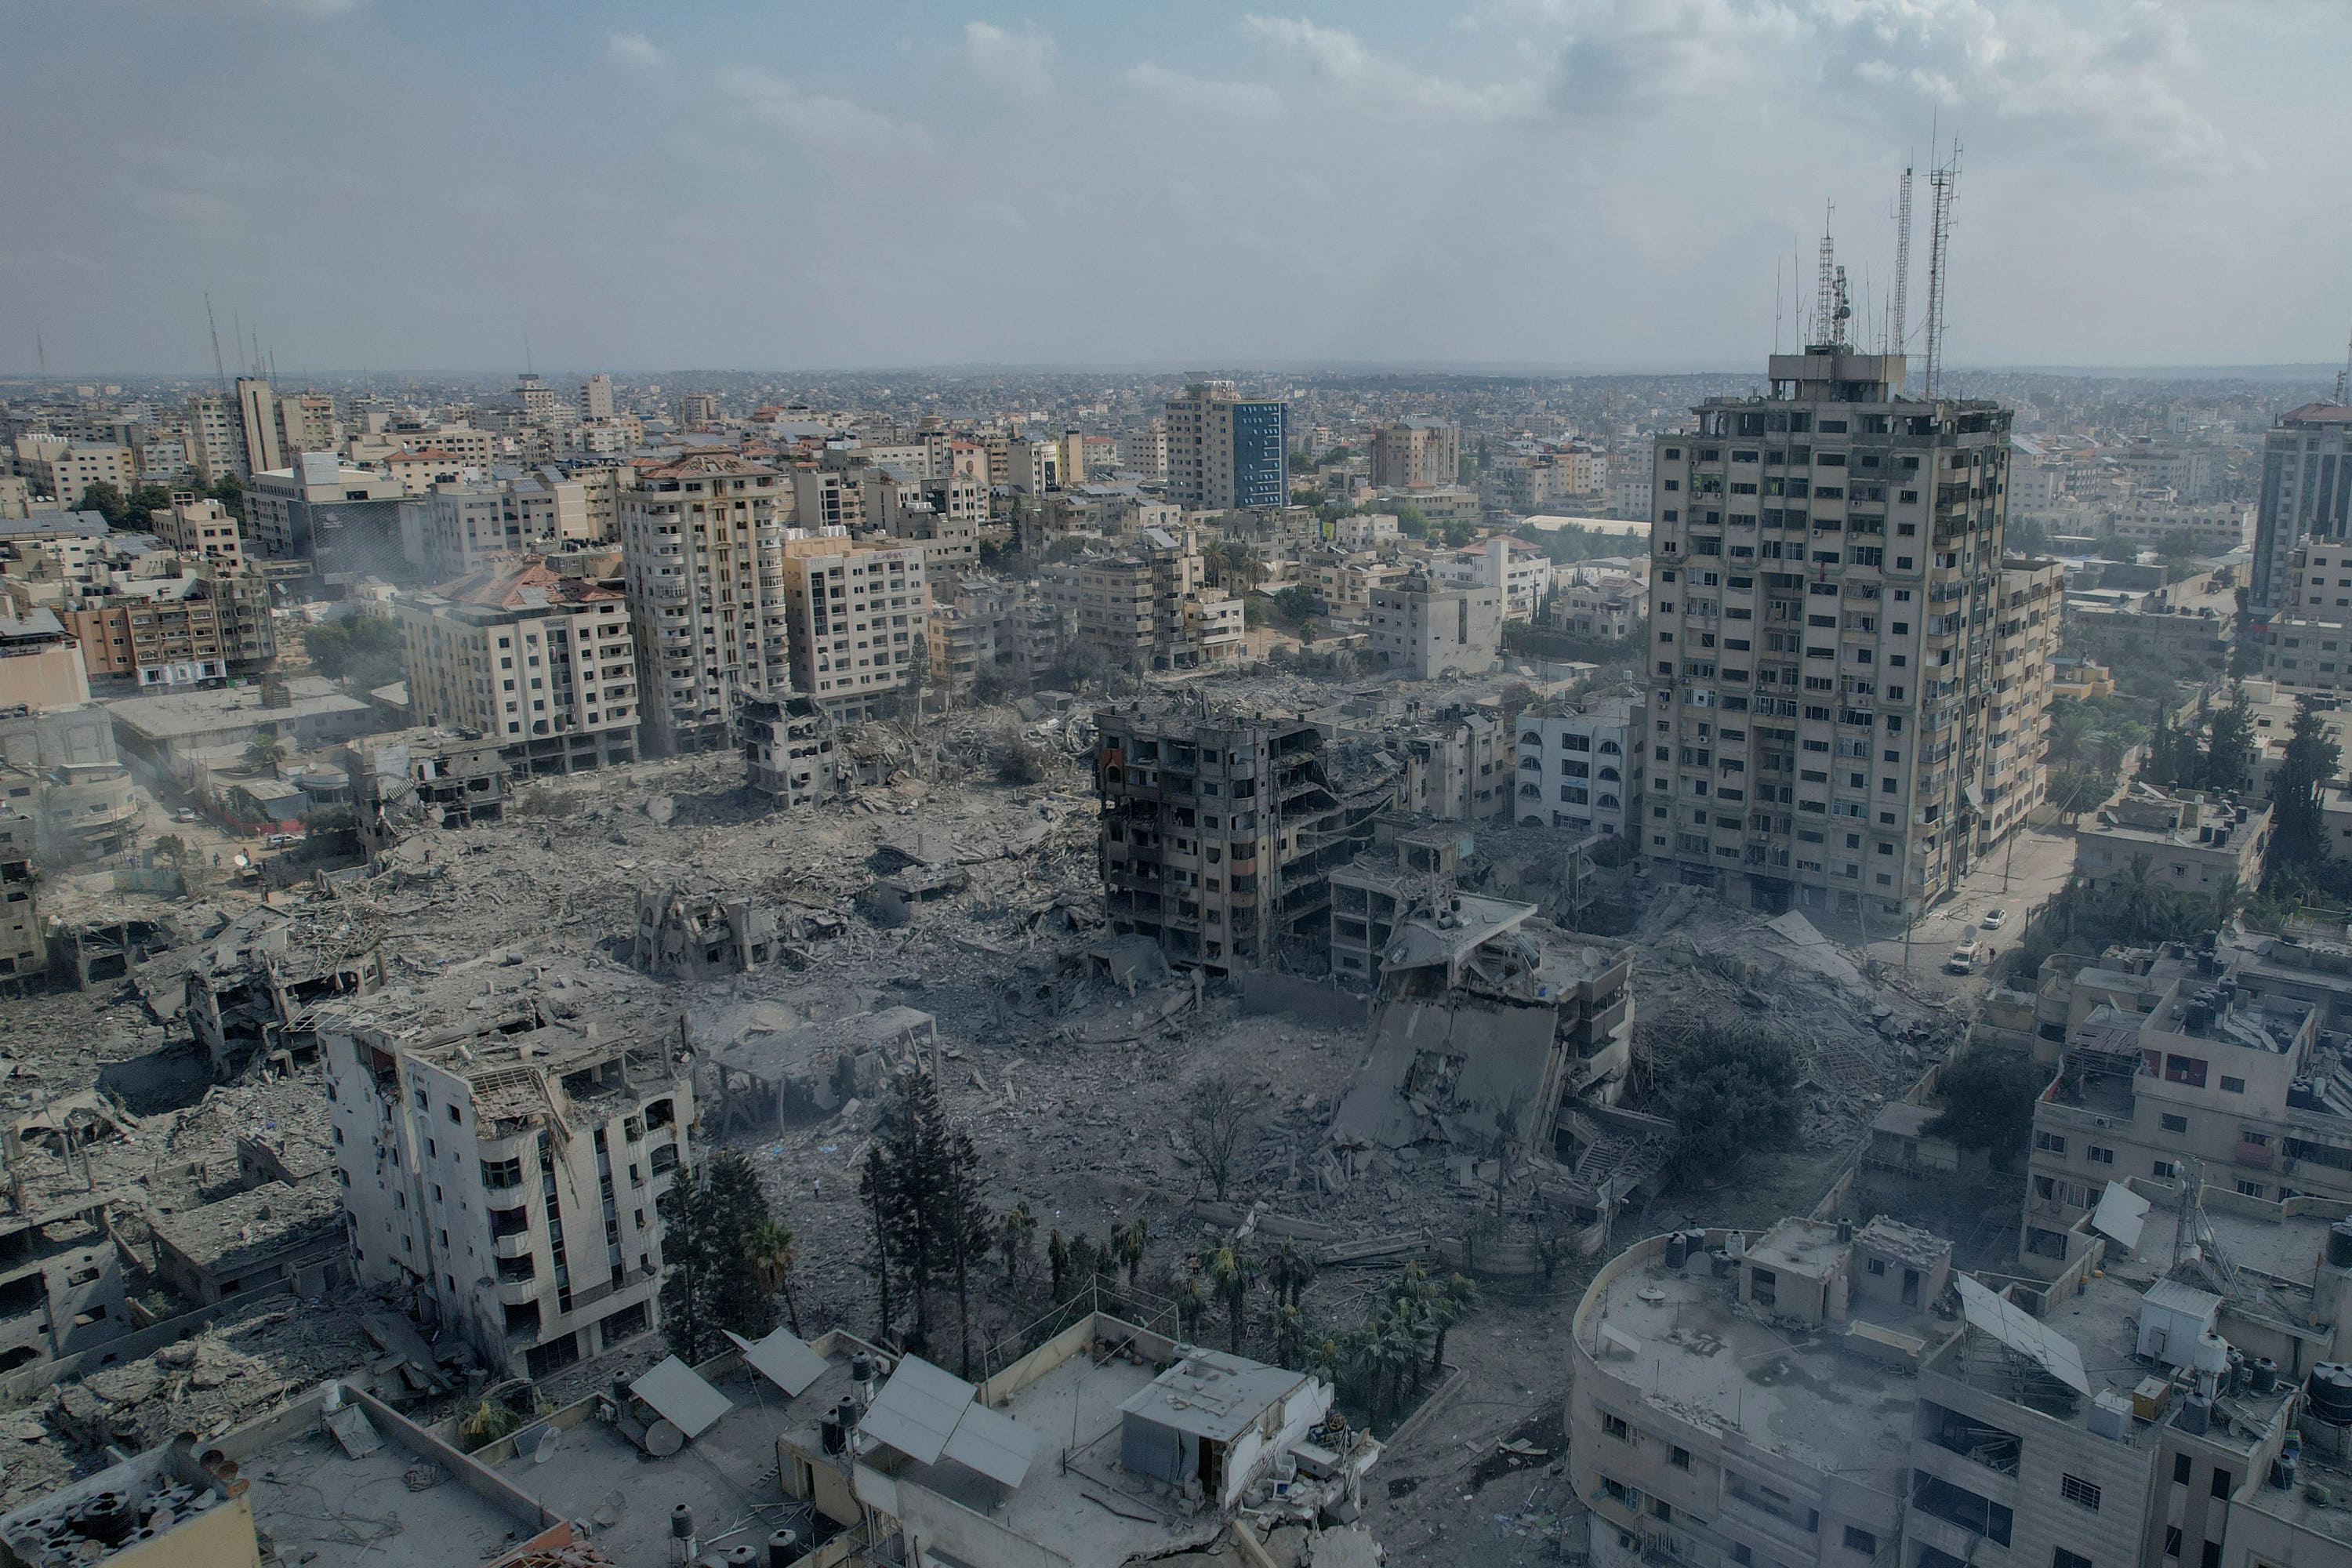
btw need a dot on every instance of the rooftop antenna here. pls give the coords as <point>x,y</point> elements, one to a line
<point>1775,322</point>
<point>1941,183</point>
<point>1902,260</point>
<point>220,368</point>
<point>2344,378</point>
<point>41,352</point>
<point>526,355</point>
<point>1840,312</point>
<point>1824,324</point>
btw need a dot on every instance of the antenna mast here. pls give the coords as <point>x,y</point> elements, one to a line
<point>1902,261</point>
<point>220,369</point>
<point>1941,181</point>
<point>1824,323</point>
<point>2344,378</point>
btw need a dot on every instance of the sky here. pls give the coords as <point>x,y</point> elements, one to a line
<point>414,185</point>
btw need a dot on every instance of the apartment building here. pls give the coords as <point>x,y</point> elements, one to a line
<point>2193,843</point>
<point>1143,452</point>
<point>345,522</point>
<point>827,498</point>
<point>64,469</point>
<point>1596,603</point>
<point>1148,606</point>
<point>215,443</point>
<point>702,542</point>
<point>1428,627</point>
<point>307,423</point>
<point>1345,585</point>
<point>198,626</point>
<point>697,411</point>
<point>24,944</point>
<point>788,749</point>
<point>1581,769</point>
<point>596,398</point>
<point>1525,573</point>
<point>2126,1417</point>
<point>1218,839</point>
<point>1456,769</point>
<point>855,616</point>
<point>2306,494</point>
<point>201,528</point>
<point>1365,530</point>
<point>1823,599</point>
<point>507,1171</point>
<point>995,633</point>
<point>541,662</point>
<point>2024,641</point>
<point>256,413</point>
<point>1416,454</point>
<point>1225,450</point>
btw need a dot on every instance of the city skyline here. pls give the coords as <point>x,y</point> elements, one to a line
<point>1508,184</point>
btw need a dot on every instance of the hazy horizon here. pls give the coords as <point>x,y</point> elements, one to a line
<point>1498,186</point>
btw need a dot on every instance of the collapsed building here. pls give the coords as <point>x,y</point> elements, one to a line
<point>771,1066</point>
<point>502,1137</point>
<point>788,748</point>
<point>1219,837</point>
<point>1495,1031</point>
<point>425,778</point>
<point>248,990</point>
<point>688,937</point>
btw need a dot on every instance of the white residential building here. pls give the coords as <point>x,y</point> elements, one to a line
<point>1581,771</point>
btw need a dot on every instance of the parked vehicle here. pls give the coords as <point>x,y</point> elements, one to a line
<point>1994,920</point>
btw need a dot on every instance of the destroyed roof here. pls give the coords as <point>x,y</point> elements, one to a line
<point>1465,921</point>
<point>246,1228</point>
<point>1906,1243</point>
<point>518,585</point>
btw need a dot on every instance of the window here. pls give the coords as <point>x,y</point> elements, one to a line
<point>2075,1490</point>
<point>2232,1085</point>
<point>2099,1156</point>
<point>2210,1557</point>
<point>1681,1459</point>
<point>2050,1142</point>
<point>1615,1426</point>
<point>2181,1464</point>
<point>2172,1532</point>
<point>2223,1483</point>
<point>2250,1189</point>
<point>1861,1541</point>
<point>2172,1123</point>
<point>2061,1558</point>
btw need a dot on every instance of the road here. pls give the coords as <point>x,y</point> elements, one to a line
<point>2020,876</point>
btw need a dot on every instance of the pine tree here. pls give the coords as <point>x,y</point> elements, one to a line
<point>713,1219</point>
<point>2230,753</point>
<point>2298,825</point>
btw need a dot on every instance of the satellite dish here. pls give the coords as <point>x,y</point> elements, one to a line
<point>241,860</point>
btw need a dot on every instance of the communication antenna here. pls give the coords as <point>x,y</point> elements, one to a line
<point>220,369</point>
<point>1902,260</point>
<point>1941,183</point>
<point>1840,312</point>
<point>41,352</point>
<point>1775,322</point>
<point>2344,378</point>
<point>1824,323</point>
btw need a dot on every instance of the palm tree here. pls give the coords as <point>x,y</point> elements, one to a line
<point>1232,1271</point>
<point>1016,1240</point>
<point>1191,1305</point>
<point>1456,1299</point>
<point>1289,1338</point>
<point>1289,1271</point>
<point>1057,1262</point>
<point>770,1251</point>
<point>265,749</point>
<point>1127,1247</point>
<point>2071,729</point>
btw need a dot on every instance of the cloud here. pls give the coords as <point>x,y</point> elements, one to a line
<point>1341,61</point>
<point>1252,100</point>
<point>635,50</point>
<point>2100,77</point>
<point>1018,65</point>
<point>818,121</point>
<point>190,188</point>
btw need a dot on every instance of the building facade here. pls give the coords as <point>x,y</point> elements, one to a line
<point>2306,494</point>
<point>1825,587</point>
<point>855,616</point>
<point>1581,771</point>
<point>1225,450</point>
<point>1416,454</point>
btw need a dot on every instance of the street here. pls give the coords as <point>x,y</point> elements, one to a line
<point>2020,876</point>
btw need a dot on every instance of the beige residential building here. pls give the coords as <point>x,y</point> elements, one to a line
<point>2026,624</point>
<point>2191,843</point>
<point>215,444</point>
<point>995,632</point>
<point>1148,606</point>
<point>307,423</point>
<point>1429,628</point>
<point>542,663</point>
<point>702,542</point>
<point>1144,452</point>
<point>1826,577</point>
<point>256,410</point>
<point>596,398</point>
<point>854,613</point>
<point>200,528</point>
<point>1915,1418</point>
<point>1416,454</point>
<point>1225,450</point>
<point>1345,585</point>
<point>63,469</point>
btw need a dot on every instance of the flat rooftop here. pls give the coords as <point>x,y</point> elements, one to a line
<point>1795,1393</point>
<point>331,1512</point>
<point>180,714</point>
<point>727,1475</point>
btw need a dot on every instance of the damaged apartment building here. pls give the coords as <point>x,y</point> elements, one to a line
<point>501,1142</point>
<point>1219,836</point>
<point>684,936</point>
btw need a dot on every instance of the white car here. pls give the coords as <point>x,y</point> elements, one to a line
<point>1994,920</point>
<point>184,814</point>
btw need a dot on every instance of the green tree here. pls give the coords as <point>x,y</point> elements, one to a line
<point>106,499</point>
<point>362,651</point>
<point>773,1255</point>
<point>1296,603</point>
<point>1191,1306</point>
<point>1127,1244</point>
<point>1231,1272</point>
<point>2179,551</point>
<point>1058,1266</point>
<point>2229,749</point>
<point>1456,1299</point>
<point>263,748</point>
<point>1016,1241</point>
<point>1289,1270</point>
<point>711,1219</point>
<point>2311,763</point>
<point>1989,1099</point>
<point>1732,1090</point>
<point>229,491</point>
<point>920,1178</point>
<point>2112,546</point>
